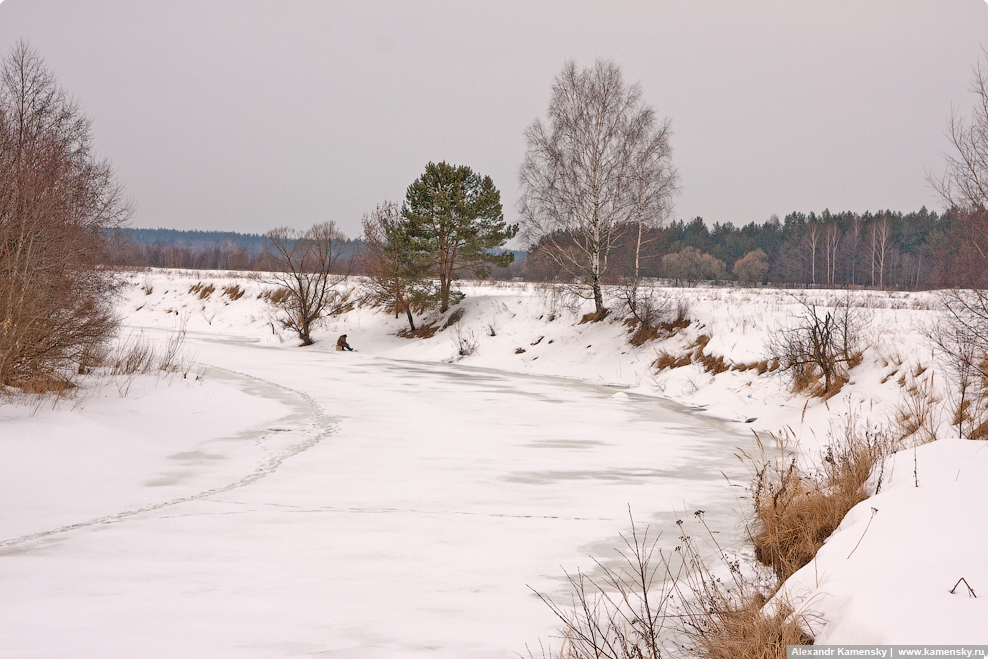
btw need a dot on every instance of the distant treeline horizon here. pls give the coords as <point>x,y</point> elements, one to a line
<point>885,249</point>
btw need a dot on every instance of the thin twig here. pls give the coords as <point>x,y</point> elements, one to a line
<point>873,512</point>
<point>969,589</point>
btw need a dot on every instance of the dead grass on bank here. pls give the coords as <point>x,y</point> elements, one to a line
<point>695,353</point>
<point>120,365</point>
<point>795,508</point>
<point>727,618</point>
<point>652,605</point>
<point>917,415</point>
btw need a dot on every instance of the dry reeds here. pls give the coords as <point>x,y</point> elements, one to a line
<point>202,290</point>
<point>233,291</point>
<point>796,509</point>
<point>917,414</point>
<point>650,603</point>
<point>732,617</point>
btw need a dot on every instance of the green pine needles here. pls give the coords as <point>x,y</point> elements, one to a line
<point>453,217</point>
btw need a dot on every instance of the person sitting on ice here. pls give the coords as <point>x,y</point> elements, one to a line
<point>341,344</point>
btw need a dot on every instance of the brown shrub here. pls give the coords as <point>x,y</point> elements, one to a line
<point>821,343</point>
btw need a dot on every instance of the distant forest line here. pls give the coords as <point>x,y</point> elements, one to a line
<point>886,249</point>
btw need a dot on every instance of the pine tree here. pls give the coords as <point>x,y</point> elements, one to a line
<point>454,216</point>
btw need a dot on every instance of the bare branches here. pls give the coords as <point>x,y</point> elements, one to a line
<point>821,342</point>
<point>965,182</point>
<point>56,199</point>
<point>601,164</point>
<point>311,272</point>
<point>394,269</point>
<point>622,613</point>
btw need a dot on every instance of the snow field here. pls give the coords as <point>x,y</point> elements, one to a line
<point>433,517</point>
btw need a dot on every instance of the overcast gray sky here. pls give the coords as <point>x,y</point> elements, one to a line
<point>241,115</point>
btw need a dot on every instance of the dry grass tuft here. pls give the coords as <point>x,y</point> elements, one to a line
<point>47,385</point>
<point>739,625</point>
<point>202,290</point>
<point>647,327</point>
<point>980,432</point>
<point>234,291</point>
<point>666,360</point>
<point>917,414</point>
<point>796,510</point>
<point>276,296</point>
<point>725,618</point>
<point>426,331</point>
<point>593,317</point>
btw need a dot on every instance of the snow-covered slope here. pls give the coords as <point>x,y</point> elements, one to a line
<point>892,588</point>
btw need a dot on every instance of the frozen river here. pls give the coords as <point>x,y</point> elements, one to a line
<point>373,508</point>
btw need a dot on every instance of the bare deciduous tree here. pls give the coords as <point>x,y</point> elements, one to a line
<point>56,201</point>
<point>692,266</point>
<point>312,273</point>
<point>832,240</point>
<point>394,269</point>
<point>753,267</point>
<point>599,165</point>
<point>963,334</point>
<point>881,235</point>
<point>964,184</point>
<point>812,239</point>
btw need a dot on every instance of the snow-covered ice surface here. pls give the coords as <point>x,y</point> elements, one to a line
<point>387,503</point>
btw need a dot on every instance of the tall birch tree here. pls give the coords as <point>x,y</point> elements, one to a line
<point>599,164</point>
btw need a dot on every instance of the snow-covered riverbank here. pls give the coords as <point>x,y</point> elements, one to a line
<point>397,501</point>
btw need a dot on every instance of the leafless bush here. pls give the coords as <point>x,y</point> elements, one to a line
<point>652,604</point>
<point>56,201</point>
<point>466,341</point>
<point>819,343</point>
<point>654,315</point>
<point>690,266</point>
<point>395,271</point>
<point>622,613</point>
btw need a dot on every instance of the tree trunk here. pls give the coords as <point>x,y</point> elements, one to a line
<point>598,300</point>
<point>443,295</point>
<point>411,323</point>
